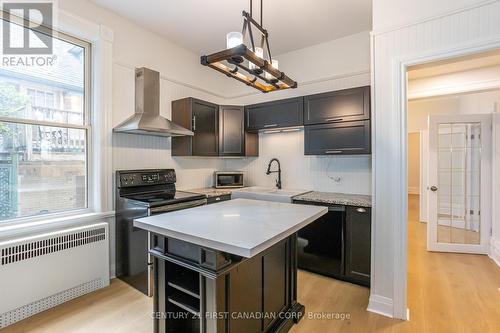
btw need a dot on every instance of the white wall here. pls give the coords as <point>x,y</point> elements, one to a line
<point>459,30</point>
<point>395,13</point>
<point>486,102</point>
<point>414,163</point>
<point>304,172</point>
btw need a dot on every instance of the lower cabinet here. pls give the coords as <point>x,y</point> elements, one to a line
<point>338,244</point>
<point>358,244</point>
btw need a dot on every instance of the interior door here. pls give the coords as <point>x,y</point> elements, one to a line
<point>459,188</point>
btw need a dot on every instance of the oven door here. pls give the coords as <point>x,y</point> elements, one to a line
<point>152,241</point>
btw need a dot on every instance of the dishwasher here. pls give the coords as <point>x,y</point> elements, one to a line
<point>320,245</point>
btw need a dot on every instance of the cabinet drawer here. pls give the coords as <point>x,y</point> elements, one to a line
<point>347,138</point>
<point>344,105</point>
<point>282,113</point>
<point>219,198</point>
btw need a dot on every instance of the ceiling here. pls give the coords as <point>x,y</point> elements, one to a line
<point>201,25</point>
<point>454,65</point>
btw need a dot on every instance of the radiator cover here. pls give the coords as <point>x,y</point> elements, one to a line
<point>42,271</point>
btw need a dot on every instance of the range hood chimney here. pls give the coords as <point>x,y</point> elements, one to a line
<point>147,119</point>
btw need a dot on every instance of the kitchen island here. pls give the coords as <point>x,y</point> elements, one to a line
<point>230,267</point>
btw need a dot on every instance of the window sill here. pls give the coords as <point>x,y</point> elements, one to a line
<point>38,224</point>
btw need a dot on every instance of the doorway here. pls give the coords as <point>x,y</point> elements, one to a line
<point>450,209</point>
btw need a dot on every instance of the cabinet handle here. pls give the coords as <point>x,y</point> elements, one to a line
<point>334,119</point>
<point>194,123</point>
<point>217,199</point>
<point>272,125</point>
<point>361,210</point>
<point>333,152</point>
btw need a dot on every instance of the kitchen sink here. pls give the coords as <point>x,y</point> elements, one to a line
<point>266,193</point>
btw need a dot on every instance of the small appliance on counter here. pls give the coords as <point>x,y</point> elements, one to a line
<point>141,193</point>
<point>228,179</point>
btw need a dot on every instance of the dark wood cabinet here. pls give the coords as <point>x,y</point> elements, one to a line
<point>358,244</point>
<point>233,139</point>
<point>276,114</point>
<point>218,130</point>
<point>275,283</point>
<point>345,138</point>
<point>203,119</point>
<point>337,244</point>
<point>249,295</point>
<point>343,105</point>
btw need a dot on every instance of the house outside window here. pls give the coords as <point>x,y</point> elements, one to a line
<point>45,132</point>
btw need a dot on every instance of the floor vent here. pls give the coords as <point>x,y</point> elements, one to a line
<point>31,309</point>
<point>50,245</point>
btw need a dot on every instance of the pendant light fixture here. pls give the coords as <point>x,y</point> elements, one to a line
<point>252,65</point>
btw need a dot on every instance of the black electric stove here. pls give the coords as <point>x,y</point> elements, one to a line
<point>141,193</point>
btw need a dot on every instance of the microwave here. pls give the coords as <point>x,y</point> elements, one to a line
<point>228,179</point>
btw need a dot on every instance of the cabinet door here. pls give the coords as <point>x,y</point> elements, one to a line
<point>275,282</point>
<point>282,113</point>
<point>245,296</point>
<point>347,138</point>
<point>358,244</point>
<point>231,131</point>
<point>205,127</point>
<point>343,105</point>
<point>320,245</point>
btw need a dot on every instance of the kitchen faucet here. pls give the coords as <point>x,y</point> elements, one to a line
<point>268,172</point>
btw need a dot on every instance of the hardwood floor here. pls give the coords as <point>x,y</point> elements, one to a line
<point>447,293</point>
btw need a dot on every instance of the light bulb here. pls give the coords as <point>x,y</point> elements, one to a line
<point>259,52</point>
<point>233,39</point>
<point>275,64</point>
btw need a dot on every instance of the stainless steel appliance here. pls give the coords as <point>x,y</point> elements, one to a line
<point>147,119</point>
<point>141,193</point>
<point>228,179</point>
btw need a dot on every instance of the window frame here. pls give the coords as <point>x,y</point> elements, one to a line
<point>86,126</point>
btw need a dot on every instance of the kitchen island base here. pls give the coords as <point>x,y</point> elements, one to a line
<point>209,291</point>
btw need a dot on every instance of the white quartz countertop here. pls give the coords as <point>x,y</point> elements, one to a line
<point>241,227</point>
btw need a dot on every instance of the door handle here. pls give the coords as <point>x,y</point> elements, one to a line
<point>194,123</point>
<point>361,210</point>
<point>434,188</point>
<point>334,119</point>
<point>271,125</point>
<point>333,152</point>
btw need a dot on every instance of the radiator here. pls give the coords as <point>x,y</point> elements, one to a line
<point>45,270</point>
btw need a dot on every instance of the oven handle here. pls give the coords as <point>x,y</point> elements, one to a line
<point>177,206</point>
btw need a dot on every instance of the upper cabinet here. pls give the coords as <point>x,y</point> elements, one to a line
<point>233,140</point>
<point>276,114</point>
<point>218,130</point>
<point>203,119</point>
<point>337,106</point>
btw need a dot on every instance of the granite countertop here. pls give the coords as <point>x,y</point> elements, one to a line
<point>211,192</point>
<point>241,227</point>
<point>336,198</point>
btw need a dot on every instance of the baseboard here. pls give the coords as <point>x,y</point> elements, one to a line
<point>381,305</point>
<point>495,250</point>
<point>413,190</point>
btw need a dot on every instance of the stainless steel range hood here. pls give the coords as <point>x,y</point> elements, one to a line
<point>147,119</point>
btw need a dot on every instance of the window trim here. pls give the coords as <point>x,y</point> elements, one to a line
<point>86,125</point>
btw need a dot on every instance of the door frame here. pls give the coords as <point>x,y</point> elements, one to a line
<point>485,183</point>
<point>399,67</point>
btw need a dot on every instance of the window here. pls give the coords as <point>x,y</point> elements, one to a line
<point>45,132</point>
